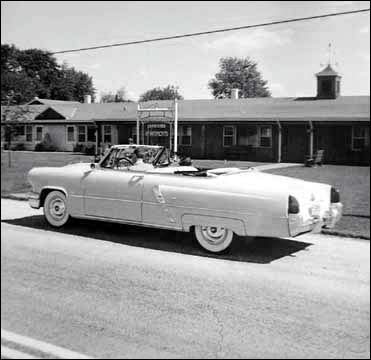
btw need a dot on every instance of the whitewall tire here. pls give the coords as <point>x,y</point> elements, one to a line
<point>55,209</point>
<point>214,239</point>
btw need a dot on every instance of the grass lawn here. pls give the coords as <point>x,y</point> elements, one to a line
<point>14,179</point>
<point>354,185</point>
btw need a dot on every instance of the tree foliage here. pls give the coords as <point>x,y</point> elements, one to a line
<point>169,92</point>
<point>13,119</point>
<point>34,72</point>
<point>237,73</point>
<point>119,96</point>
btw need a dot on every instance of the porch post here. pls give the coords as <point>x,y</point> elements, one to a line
<point>96,138</point>
<point>279,152</point>
<point>175,127</point>
<point>311,139</point>
<point>138,108</point>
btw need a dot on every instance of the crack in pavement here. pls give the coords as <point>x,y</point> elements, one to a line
<point>219,350</point>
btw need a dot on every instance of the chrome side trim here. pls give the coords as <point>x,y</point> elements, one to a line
<point>128,222</point>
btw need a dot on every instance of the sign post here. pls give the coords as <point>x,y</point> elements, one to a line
<point>175,127</point>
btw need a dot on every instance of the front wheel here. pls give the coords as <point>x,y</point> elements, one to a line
<point>214,239</point>
<point>55,209</point>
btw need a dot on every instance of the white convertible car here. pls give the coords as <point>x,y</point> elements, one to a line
<point>215,204</point>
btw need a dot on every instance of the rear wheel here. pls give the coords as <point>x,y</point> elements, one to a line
<point>55,209</point>
<point>213,238</point>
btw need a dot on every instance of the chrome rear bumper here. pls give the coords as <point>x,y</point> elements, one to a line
<point>333,215</point>
<point>328,220</point>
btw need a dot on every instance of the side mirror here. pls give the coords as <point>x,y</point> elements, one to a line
<point>92,166</point>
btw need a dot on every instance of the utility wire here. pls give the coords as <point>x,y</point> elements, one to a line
<point>212,31</point>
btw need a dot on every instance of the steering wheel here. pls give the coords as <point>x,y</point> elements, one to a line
<point>118,161</point>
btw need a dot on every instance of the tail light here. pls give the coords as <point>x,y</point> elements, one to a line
<point>335,195</point>
<point>294,207</point>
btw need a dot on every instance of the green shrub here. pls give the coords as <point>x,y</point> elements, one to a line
<point>89,150</point>
<point>19,147</point>
<point>78,148</point>
<point>86,149</point>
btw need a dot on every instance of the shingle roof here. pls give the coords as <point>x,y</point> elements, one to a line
<point>328,71</point>
<point>252,109</point>
<point>21,113</point>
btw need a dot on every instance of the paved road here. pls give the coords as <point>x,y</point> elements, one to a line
<point>115,291</point>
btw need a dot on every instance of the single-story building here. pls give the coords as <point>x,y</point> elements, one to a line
<point>254,129</point>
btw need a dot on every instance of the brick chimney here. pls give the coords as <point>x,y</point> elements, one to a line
<point>87,99</point>
<point>234,93</point>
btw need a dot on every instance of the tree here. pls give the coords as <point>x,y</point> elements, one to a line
<point>11,119</point>
<point>169,92</point>
<point>119,96</point>
<point>239,74</point>
<point>34,72</point>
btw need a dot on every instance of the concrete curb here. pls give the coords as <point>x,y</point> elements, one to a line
<point>345,234</point>
<point>23,197</point>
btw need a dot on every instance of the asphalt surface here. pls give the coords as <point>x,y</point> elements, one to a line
<point>106,290</point>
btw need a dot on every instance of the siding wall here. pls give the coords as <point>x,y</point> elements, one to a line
<point>207,141</point>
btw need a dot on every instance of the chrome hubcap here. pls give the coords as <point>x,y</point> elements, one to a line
<point>57,208</point>
<point>214,235</point>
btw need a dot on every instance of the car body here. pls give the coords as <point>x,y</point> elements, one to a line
<point>216,204</point>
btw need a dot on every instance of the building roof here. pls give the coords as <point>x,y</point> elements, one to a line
<point>21,113</point>
<point>328,71</point>
<point>38,101</point>
<point>344,108</point>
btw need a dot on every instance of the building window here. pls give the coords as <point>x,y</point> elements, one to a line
<point>248,135</point>
<point>91,133</point>
<point>39,133</point>
<point>107,134</point>
<point>20,130</point>
<point>70,133</point>
<point>133,133</point>
<point>185,134</point>
<point>81,133</point>
<point>266,136</point>
<point>360,137</point>
<point>29,133</point>
<point>229,136</point>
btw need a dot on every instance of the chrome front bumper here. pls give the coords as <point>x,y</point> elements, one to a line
<point>34,200</point>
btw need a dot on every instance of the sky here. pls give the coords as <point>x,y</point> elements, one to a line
<point>288,55</point>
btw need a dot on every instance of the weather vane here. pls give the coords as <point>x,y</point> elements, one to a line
<point>331,56</point>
